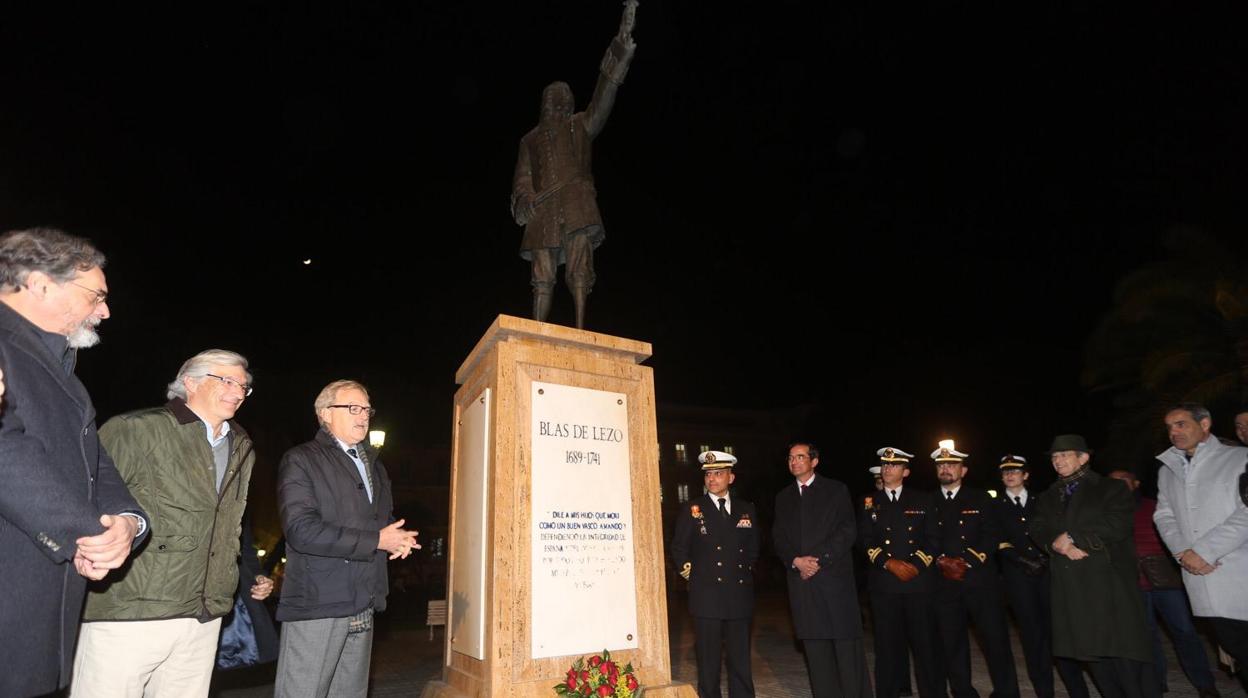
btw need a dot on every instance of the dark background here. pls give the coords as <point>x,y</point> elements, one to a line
<point>991,223</point>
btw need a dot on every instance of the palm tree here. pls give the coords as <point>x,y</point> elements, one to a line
<point>1177,331</point>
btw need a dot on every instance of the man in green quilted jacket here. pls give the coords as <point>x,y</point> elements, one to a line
<point>152,630</point>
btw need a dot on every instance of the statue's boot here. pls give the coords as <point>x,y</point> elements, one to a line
<point>541,304</point>
<point>579,296</point>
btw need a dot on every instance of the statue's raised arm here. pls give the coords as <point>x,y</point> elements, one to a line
<point>612,70</point>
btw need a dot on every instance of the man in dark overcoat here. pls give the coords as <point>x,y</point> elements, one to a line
<point>968,587</point>
<point>814,536</point>
<point>65,515</point>
<point>1085,522</point>
<point>714,548</point>
<point>897,529</point>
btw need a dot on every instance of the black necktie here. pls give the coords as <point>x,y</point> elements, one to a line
<point>802,489</point>
<point>948,494</point>
<point>1018,502</point>
<point>892,494</point>
<point>368,472</point>
<point>722,510</point>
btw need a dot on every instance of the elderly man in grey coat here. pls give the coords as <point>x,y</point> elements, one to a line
<point>1204,523</point>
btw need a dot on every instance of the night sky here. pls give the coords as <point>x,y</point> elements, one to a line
<point>912,218</point>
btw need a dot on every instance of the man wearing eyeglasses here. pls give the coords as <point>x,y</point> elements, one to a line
<point>188,463</point>
<point>65,514</point>
<point>337,513</point>
<point>814,535</point>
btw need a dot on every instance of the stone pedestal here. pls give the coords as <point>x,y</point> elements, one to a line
<point>554,504</point>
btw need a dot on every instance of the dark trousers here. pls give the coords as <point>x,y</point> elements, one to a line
<point>714,636</point>
<point>982,605</point>
<point>838,668</point>
<point>1171,605</point>
<point>1117,677</point>
<point>1233,637</point>
<point>1030,602</point>
<point>1071,672</point>
<point>904,623</point>
<point>578,251</point>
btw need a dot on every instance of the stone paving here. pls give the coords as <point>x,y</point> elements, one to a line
<point>404,658</point>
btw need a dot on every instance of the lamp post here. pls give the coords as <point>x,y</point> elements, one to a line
<point>377,438</point>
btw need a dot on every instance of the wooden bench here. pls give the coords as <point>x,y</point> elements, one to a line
<point>436,615</point>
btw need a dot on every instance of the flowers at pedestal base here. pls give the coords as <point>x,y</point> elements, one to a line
<point>598,675</point>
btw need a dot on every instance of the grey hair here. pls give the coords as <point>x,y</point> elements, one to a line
<point>1198,411</point>
<point>200,365</point>
<point>330,393</point>
<point>56,253</point>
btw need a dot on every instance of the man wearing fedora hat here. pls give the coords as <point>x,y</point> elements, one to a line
<point>1084,522</point>
<point>714,548</point>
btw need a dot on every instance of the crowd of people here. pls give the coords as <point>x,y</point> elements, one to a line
<point>121,548</point>
<point>1085,567</point>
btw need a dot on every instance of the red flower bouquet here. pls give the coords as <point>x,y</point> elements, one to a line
<point>598,675</point>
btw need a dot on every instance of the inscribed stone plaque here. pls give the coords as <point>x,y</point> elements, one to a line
<point>583,596</point>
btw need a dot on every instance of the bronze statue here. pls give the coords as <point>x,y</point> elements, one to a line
<point>553,194</point>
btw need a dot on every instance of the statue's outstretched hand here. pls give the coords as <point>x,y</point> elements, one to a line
<point>627,22</point>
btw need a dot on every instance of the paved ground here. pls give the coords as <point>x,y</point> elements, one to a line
<point>404,658</point>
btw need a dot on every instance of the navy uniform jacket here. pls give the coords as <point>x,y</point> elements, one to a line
<point>903,530</point>
<point>969,529</point>
<point>720,553</point>
<point>1014,539</point>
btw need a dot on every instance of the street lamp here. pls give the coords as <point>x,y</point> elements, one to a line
<point>377,438</point>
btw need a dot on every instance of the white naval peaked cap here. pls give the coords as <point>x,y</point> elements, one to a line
<point>716,460</point>
<point>1010,460</point>
<point>890,454</point>
<point>946,453</point>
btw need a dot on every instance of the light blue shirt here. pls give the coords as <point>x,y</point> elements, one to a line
<point>220,449</point>
<point>359,465</point>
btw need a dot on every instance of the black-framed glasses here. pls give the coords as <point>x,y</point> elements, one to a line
<point>355,409</point>
<point>231,383</point>
<point>99,296</point>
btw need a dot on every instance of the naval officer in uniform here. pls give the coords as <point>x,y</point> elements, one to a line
<point>967,588</point>
<point>897,529</point>
<point>1025,572</point>
<point>715,546</point>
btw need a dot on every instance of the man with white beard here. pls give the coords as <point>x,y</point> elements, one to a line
<point>65,514</point>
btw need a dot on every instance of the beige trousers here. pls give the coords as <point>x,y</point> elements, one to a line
<point>145,659</point>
